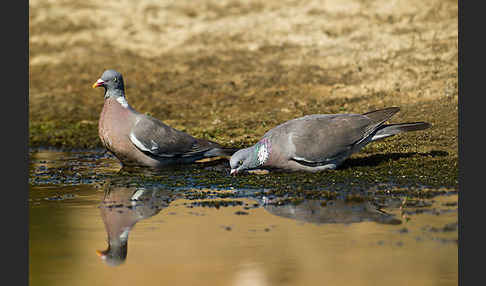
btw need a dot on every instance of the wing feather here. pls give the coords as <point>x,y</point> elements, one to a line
<point>155,138</point>
<point>323,137</point>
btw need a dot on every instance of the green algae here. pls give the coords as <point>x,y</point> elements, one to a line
<point>64,135</point>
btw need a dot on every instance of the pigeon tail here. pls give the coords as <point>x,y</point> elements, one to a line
<point>388,130</point>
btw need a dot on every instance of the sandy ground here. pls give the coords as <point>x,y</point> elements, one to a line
<point>230,70</point>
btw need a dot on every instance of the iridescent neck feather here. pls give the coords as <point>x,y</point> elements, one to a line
<point>262,149</point>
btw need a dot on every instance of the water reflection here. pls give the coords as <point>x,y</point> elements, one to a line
<point>121,208</point>
<point>335,211</point>
<point>205,239</point>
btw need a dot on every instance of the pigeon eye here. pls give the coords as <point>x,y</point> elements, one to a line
<point>240,162</point>
<point>115,79</point>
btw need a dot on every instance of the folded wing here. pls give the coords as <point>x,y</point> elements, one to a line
<point>154,138</point>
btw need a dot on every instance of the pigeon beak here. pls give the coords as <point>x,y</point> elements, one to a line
<point>100,253</point>
<point>99,82</point>
<point>233,172</point>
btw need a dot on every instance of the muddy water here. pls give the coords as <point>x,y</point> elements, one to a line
<point>89,225</point>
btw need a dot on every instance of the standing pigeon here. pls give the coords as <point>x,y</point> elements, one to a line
<point>140,140</point>
<point>320,141</point>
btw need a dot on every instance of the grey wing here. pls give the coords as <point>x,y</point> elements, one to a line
<point>153,137</point>
<point>321,138</point>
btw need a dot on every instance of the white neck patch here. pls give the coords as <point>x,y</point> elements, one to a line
<point>122,100</point>
<point>124,235</point>
<point>263,153</point>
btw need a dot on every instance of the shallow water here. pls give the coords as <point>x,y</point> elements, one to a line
<point>90,226</point>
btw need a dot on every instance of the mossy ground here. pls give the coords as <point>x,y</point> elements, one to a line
<point>231,85</point>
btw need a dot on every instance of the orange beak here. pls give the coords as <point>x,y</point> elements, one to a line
<point>99,82</point>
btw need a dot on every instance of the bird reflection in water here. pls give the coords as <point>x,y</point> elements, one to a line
<point>334,211</point>
<point>122,207</point>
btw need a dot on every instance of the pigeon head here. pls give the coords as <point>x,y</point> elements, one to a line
<point>112,81</point>
<point>244,159</point>
<point>115,255</point>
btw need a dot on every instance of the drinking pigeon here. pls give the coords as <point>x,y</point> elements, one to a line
<point>318,142</point>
